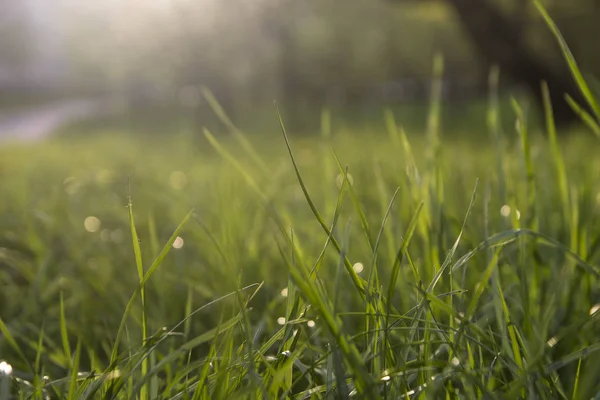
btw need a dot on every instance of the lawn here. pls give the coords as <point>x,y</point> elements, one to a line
<point>361,262</point>
<point>420,264</point>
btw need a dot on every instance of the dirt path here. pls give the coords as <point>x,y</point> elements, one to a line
<point>41,121</point>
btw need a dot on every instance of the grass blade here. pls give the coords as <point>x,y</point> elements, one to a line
<point>574,68</point>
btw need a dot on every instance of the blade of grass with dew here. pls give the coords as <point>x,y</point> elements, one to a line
<point>140,269</point>
<point>570,59</point>
<point>157,262</point>
<point>356,280</point>
<point>64,335</point>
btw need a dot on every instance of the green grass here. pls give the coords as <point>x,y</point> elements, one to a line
<point>355,263</point>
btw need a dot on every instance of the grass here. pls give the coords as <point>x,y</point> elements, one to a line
<point>379,264</point>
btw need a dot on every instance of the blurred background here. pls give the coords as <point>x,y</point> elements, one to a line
<point>143,63</point>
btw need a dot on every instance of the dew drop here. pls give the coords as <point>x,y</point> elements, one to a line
<point>358,267</point>
<point>178,243</point>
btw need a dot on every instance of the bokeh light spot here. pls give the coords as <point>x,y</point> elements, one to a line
<point>92,224</point>
<point>178,180</point>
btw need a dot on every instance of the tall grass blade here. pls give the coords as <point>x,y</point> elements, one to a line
<point>63,333</point>
<point>140,269</point>
<point>575,71</point>
<point>240,137</point>
<point>585,117</point>
<point>157,262</point>
<point>356,280</point>
<point>557,156</point>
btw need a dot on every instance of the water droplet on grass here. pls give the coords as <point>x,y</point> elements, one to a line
<point>178,243</point>
<point>5,368</point>
<point>358,267</point>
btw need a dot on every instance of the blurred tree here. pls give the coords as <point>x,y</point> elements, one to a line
<point>502,41</point>
<point>500,33</point>
<point>309,53</point>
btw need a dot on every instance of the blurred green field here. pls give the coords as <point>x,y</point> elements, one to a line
<point>500,306</point>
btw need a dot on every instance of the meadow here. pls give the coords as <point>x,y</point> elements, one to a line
<point>364,263</point>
